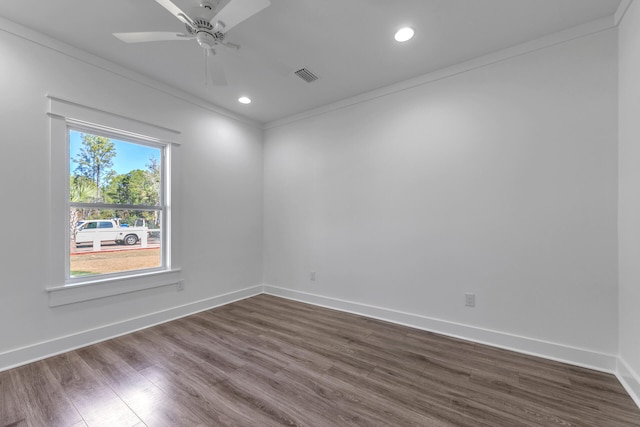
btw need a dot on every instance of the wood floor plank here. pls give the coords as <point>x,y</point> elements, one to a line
<point>152,405</point>
<point>94,400</point>
<point>313,400</point>
<point>268,361</point>
<point>274,396</point>
<point>401,390</point>
<point>308,340</point>
<point>329,322</point>
<point>48,404</point>
<point>190,391</point>
<point>11,411</point>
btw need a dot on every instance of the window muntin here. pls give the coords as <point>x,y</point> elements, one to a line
<point>116,200</point>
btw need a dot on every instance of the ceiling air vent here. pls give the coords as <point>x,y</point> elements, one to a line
<point>306,75</point>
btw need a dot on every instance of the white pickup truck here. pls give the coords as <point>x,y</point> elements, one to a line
<point>100,230</point>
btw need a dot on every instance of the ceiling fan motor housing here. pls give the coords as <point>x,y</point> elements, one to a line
<point>205,33</point>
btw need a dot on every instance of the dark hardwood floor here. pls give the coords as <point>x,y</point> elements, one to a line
<point>268,361</point>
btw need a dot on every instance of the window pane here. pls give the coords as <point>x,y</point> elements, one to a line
<point>107,170</point>
<point>105,174</point>
<point>104,241</point>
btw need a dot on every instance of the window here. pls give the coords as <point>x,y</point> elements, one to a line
<point>111,219</point>
<point>116,203</point>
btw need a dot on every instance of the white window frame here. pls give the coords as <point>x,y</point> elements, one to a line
<point>72,125</point>
<point>62,289</point>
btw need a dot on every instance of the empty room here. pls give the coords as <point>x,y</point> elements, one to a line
<point>320,213</point>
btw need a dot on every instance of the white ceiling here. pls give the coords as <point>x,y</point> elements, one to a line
<point>347,43</point>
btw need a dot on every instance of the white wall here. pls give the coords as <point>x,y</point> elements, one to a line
<point>629,203</point>
<point>219,196</point>
<point>501,181</point>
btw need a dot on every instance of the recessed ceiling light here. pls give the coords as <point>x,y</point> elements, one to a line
<point>404,34</point>
<point>244,100</point>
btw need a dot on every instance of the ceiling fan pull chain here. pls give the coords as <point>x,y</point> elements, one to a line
<point>206,67</point>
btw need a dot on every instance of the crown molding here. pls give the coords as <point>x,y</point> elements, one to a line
<point>80,55</point>
<point>550,40</point>
<point>622,9</point>
<point>576,32</point>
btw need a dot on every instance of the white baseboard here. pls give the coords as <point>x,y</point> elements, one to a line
<point>558,352</point>
<point>629,379</point>
<point>42,350</point>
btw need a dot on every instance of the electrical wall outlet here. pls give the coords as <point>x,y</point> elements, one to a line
<point>180,285</point>
<point>470,300</point>
<point>312,276</point>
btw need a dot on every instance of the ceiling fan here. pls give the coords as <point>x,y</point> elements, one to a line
<point>204,24</point>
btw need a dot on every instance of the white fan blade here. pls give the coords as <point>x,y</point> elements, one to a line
<point>176,11</point>
<point>230,45</point>
<point>237,11</point>
<point>153,36</point>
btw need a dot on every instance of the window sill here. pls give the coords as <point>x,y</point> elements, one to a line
<point>85,291</point>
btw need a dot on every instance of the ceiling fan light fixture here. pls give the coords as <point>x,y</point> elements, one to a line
<point>404,34</point>
<point>205,40</point>
<point>244,100</point>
